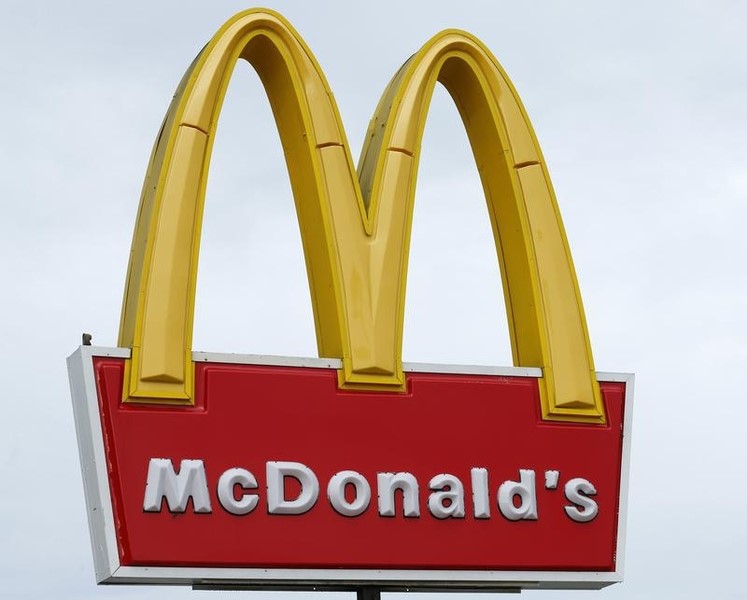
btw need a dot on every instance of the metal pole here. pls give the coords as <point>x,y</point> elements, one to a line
<point>368,593</point>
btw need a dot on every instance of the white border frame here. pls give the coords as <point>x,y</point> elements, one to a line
<point>101,518</point>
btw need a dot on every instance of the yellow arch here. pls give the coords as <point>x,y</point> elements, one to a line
<point>356,243</point>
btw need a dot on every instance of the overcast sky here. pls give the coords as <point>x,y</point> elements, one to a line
<point>641,111</point>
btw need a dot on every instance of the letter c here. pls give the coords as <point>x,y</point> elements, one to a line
<point>226,491</point>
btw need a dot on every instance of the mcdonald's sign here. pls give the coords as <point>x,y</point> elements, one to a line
<point>352,469</point>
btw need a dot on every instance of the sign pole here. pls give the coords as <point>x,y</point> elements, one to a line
<point>368,593</point>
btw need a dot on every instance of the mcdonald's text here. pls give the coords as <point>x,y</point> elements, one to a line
<point>349,492</point>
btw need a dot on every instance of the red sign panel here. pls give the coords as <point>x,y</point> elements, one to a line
<point>277,468</point>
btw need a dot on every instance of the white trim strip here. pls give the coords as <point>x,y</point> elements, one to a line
<point>92,457</point>
<point>305,578</point>
<point>336,363</point>
<point>534,372</point>
<point>267,359</point>
<point>622,516</point>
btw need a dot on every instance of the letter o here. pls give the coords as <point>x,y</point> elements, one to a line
<point>336,493</point>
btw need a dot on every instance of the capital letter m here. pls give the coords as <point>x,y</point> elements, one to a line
<point>164,482</point>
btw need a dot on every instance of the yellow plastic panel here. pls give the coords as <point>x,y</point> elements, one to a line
<point>356,228</point>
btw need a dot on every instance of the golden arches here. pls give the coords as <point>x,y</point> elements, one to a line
<point>356,243</point>
<point>159,301</point>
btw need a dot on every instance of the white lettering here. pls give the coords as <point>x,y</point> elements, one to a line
<point>277,503</point>
<point>293,489</point>
<point>480,493</point>
<point>551,479</point>
<point>336,493</point>
<point>163,482</point>
<point>388,484</point>
<point>578,491</point>
<point>227,491</point>
<point>526,492</point>
<point>447,497</point>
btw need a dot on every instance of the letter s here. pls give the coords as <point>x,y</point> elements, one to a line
<point>578,491</point>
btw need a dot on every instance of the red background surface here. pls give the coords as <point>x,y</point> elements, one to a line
<point>246,415</point>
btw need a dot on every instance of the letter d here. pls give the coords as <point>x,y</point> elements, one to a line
<point>526,491</point>
<point>277,503</point>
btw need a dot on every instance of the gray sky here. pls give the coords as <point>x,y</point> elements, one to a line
<point>640,110</point>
